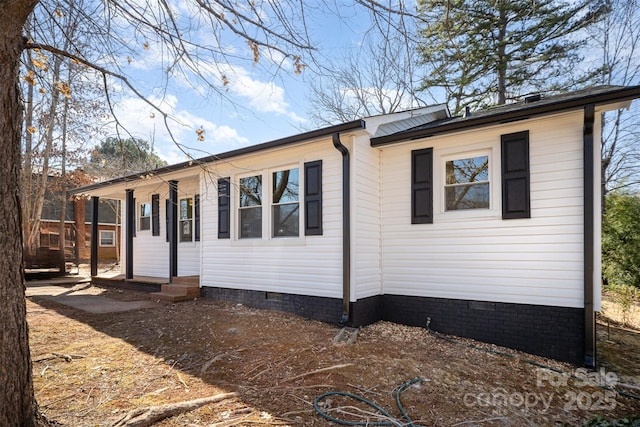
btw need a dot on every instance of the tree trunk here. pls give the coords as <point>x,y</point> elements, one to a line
<point>502,57</point>
<point>17,402</point>
<point>43,179</point>
<point>27,182</point>
<point>79,214</point>
<point>62,229</point>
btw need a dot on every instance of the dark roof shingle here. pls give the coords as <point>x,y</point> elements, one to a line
<point>598,95</point>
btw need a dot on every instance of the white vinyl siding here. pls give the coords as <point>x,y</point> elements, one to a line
<point>470,254</point>
<point>479,256</point>
<point>151,253</point>
<point>304,265</point>
<point>366,277</point>
<point>188,252</point>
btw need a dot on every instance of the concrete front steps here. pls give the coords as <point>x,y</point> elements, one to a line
<point>181,289</point>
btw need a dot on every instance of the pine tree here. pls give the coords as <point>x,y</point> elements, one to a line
<point>114,157</point>
<point>488,52</point>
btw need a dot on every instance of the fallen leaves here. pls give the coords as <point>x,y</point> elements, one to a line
<point>275,363</point>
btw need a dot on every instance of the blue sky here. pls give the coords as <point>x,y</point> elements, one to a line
<point>257,105</point>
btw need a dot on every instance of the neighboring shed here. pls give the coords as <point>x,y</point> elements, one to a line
<point>485,226</point>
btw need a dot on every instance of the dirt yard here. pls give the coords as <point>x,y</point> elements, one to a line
<point>91,369</point>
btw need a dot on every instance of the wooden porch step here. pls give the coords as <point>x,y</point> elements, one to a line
<point>186,280</point>
<point>175,292</point>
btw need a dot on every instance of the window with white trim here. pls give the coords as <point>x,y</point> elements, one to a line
<point>467,183</point>
<point>185,217</point>
<point>285,203</point>
<point>250,209</point>
<point>270,200</point>
<point>145,216</point>
<point>107,238</point>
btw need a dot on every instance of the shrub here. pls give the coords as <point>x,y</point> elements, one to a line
<point>621,241</point>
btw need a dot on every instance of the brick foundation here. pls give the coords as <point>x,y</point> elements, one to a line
<point>318,308</point>
<point>555,332</point>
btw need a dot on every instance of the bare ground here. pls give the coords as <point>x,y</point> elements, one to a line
<point>91,369</point>
<point>619,339</point>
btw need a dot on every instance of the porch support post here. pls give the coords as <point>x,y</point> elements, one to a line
<point>589,221</point>
<point>173,230</point>
<point>94,234</point>
<point>130,219</point>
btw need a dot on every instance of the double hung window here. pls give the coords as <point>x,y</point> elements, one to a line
<point>145,216</point>
<point>269,205</point>
<point>467,183</point>
<point>185,225</point>
<point>285,204</point>
<point>250,210</point>
<point>281,205</point>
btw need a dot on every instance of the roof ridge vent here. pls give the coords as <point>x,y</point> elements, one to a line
<point>532,98</point>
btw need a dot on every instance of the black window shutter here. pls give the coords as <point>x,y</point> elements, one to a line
<point>196,214</point>
<point>422,186</point>
<point>313,198</point>
<point>166,218</point>
<point>224,208</point>
<point>515,175</point>
<point>155,214</point>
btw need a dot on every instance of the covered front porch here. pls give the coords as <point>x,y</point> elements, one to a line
<point>160,233</point>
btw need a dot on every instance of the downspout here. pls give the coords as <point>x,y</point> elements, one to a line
<point>346,230</point>
<point>589,221</point>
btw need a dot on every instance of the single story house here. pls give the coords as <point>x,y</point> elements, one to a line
<point>484,226</point>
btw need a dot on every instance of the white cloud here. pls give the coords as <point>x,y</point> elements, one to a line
<point>262,96</point>
<point>217,138</point>
<point>141,120</point>
<point>265,97</point>
<point>259,95</point>
<point>148,57</point>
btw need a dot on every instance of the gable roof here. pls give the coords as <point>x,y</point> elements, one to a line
<point>420,126</point>
<point>392,122</point>
<point>530,107</point>
<point>356,124</point>
<point>436,112</point>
